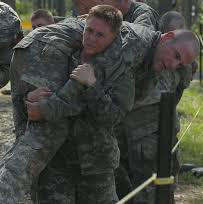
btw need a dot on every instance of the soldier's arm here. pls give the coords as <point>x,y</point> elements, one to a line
<point>61,104</point>
<point>4,75</point>
<point>146,16</point>
<point>109,106</point>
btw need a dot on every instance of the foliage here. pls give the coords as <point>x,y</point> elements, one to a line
<point>68,7</point>
<point>24,8</point>
<point>189,178</point>
<point>199,19</point>
<point>191,146</point>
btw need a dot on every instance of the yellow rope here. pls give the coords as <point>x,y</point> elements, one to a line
<point>175,147</point>
<point>137,190</point>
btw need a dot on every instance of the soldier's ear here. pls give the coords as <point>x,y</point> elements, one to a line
<point>167,36</point>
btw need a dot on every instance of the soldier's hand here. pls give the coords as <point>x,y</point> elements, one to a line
<point>33,110</point>
<point>84,74</point>
<point>38,94</point>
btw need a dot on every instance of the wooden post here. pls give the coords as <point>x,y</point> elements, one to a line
<point>166,132</point>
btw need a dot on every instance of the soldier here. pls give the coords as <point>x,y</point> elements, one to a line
<point>24,70</point>
<point>41,17</point>
<point>38,145</point>
<point>10,34</point>
<point>138,134</point>
<point>171,20</point>
<point>133,12</point>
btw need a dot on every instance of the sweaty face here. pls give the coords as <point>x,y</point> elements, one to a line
<point>170,55</point>
<point>97,36</point>
<point>39,22</point>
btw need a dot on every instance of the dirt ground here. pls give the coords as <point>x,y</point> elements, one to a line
<point>185,194</point>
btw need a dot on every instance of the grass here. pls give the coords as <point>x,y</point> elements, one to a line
<point>191,146</point>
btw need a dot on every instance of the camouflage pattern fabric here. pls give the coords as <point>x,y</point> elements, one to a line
<point>10,28</point>
<point>62,181</point>
<point>138,14</point>
<point>140,128</point>
<point>53,110</point>
<point>9,24</point>
<point>142,14</point>
<point>38,144</point>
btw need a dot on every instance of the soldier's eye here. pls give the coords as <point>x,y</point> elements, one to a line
<point>100,34</point>
<point>178,56</point>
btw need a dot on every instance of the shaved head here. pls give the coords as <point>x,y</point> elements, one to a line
<point>187,37</point>
<point>171,20</point>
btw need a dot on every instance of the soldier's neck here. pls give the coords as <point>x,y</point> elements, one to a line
<point>84,57</point>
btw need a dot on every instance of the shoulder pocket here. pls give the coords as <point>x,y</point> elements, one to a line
<point>24,43</point>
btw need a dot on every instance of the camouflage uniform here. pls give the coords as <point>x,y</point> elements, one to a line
<point>141,130</point>
<point>32,151</point>
<point>53,110</point>
<point>140,14</point>
<point>10,30</point>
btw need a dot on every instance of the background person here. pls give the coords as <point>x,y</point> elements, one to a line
<point>41,17</point>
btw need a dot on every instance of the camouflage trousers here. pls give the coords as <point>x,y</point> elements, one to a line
<point>138,167</point>
<point>138,142</point>
<point>61,182</point>
<point>30,154</point>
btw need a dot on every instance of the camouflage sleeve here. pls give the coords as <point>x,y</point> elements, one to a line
<point>108,107</point>
<point>4,75</point>
<point>63,103</point>
<point>146,16</point>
